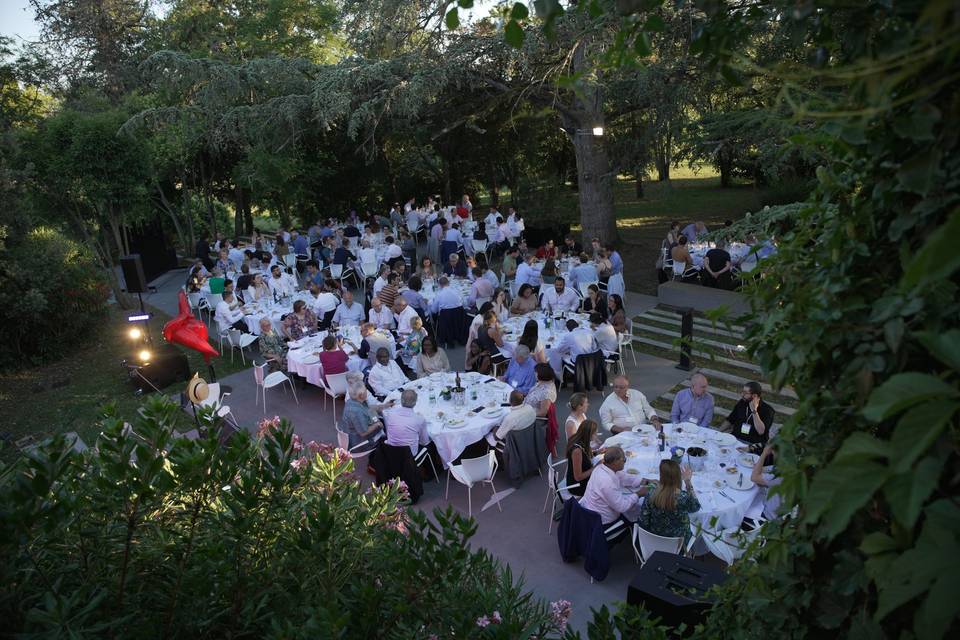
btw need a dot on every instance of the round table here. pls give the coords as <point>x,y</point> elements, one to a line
<point>267,308</point>
<point>513,329</point>
<point>739,254</point>
<point>460,285</point>
<point>302,361</point>
<point>717,489</point>
<point>450,427</point>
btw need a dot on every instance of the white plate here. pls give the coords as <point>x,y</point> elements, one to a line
<point>746,486</point>
<point>747,460</point>
<point>310,360</point>
<point>495,412</point>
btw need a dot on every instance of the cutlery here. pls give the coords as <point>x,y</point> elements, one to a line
<point>728,497</point>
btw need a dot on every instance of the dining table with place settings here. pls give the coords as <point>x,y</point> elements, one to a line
<point>452,426</point>
<point>721,475</point>
<point>550,335</point>
<point>460,285</point>
<point>301,358</point>
<point>254,311</point>
<point>739,254</point>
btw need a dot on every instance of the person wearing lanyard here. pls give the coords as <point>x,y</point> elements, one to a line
<point>751,419</point>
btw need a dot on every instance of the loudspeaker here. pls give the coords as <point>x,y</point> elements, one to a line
<point>133,275</point>
<point>675,588</point>
<point>168,365</point>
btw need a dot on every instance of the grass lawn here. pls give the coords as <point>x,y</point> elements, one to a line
<point>69,395</point>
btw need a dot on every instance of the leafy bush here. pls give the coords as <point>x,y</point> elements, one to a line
<point>52,291</point>
<point>149,535</point>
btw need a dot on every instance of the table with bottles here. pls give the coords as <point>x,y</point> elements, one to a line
<point>550,330</point>
<point>301,358</point>
<point>453,426</point>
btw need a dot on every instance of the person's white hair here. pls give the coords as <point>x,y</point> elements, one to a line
<point>522,351</point>
<point>356,391</point>
<point>408,398</point>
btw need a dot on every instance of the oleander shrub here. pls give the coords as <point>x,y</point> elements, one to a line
<point>149,535</point>
<point>52,291</point>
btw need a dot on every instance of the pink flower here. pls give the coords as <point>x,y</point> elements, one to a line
<point>266,425</point>
<point>342,455</point>
<point>560,613</point>
<point>496,617</point>
<point>483,621</point>
<point>300,463</point>
<point>297,443</point>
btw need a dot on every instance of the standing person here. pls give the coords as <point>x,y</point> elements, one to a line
<point>580,455</point>
<point>626,408</point>
<point>667,512</point>
<point>693,404</point>
<point>751,418</point>
<point>718,268</point>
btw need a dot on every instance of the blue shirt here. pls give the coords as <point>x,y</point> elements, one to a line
<point>689,408</point>
<point>616,262</point>
<point>691,232</point>
<point>326,232</point>
<point>521,376</point>
<point>301,245</point>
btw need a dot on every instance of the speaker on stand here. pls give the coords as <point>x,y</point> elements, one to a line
<point>133,276</point>
<point>675,588</point>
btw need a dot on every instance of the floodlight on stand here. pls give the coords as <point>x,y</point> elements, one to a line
<point>135,333</point>
<point>144,356</point>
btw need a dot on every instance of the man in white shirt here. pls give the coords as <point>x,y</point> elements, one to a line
<point>491,219</point>
<point>583,273</point>
<point>526,274</point>
<point>520,417</point>
<point>604,334</point>
<point>626,408</point>
<point>404,313</point>
<point>612,493</point>
<point>576,342</point>
<point>381,280</point>
<point>348,314</point>
<point>280,285</point>
<point>481,288</point>
<point>405,427</point>
<point>323,301</point>
<point>453,234</point>
<point>445,298</point>
<point>560,298</point>
<point>386,375</point>
<point>228,314</point>
<point>393,249</point>
<point>380,315</point>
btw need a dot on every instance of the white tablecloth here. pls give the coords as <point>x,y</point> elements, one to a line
<point>460,285</point>
<point>644,456</point>
<point>549,337</point>
<point>254,311</point>
<point>739,255</point>
<point>450,427</point>
<point>302,361</point>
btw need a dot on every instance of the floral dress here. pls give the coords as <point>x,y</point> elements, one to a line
<point>273,343</point>
<point>669,524</point>
<point>297,326</point>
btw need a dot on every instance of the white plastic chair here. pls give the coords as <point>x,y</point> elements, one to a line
<point>338,272</point>
<point>334,387</point>
<point>209,304</point>
<point>471,471</point>
<point>480,246</point>
<point>343,441</point>
<point>646,543</point>
<point>240,340</point>
<point>290,260</point>
<point>265,382</point>
<point>195,299</point>
<point>556,485</point>
<point>215,400</point>
<point>626,342</point>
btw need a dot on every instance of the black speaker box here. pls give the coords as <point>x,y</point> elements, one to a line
<point>168,365</point>
<point>674,588</point>
<point>133,274</point>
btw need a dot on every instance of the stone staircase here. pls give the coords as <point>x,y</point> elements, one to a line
<point>718,352</point>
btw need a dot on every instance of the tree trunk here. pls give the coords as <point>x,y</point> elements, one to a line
<point>208,200</point>
<point>639,183</point>
<point>238,207</point>
<point>725,179</point>
<point>597,216</point>
<point>172,213</point>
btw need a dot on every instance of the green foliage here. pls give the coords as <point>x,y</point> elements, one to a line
<point>53,292</point>
<point>153,535</point>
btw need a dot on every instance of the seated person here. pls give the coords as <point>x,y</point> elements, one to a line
<point>324,301</point>
<point>527,273</point>
<point>358,420</point>
<point>520,416</point>
<point>380,314</point>
<point>228,314</point>
<point>348,313</point>
<point>667,511</point>
<point>605,493</point>
<point>559,298</point>
<point>681,254</point>
<point>604,334</point>
<point>404,314</point>
<point>481,289</point>
<point>577,341</point>
<point>455,267</point>
<point>412,294</point>
<point>548,251</point>
<point>314,275</point>
<point>525,302</point>
<point>594,301</point>
<point>432,359</point>
<point>521,374</point>
<point>543,394</point>
<point>371,341</point>
<point>391,292</point>
<point>570,247</point>
<point>427,271</point>
<point>280,284</point>
<point>273,347</point>
<point>583,273</point>
<point>694,403</point>
<point>580,456</point>
<point>386,375</point>
<point>301,322</point>
<point>333,359</point>
<point>406,427</point>
<point>626,408</point>
<point>245,279</point>
<point>413,341</point>
<point>751,419</point>
<point>766,480</point>
<point>478,360</point>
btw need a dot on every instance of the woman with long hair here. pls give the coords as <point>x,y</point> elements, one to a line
<point>544,393</point>
<point>525,302</point>
<point>531,340</point>
<point>501,304</point>
<point>595,302</point>
<point>432,358</point>
<point>580,456</point>
<point>667,511</point>
<point>618,317</point>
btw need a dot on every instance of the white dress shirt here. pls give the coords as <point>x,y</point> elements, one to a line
<point>608,495</point>
<point>281,286</point>
<point>378,284</point>
<point>348,316</point>
<point>583,274</point>
<point>575,343</point>
<point>324,303</point>
<point>453,235</point>
<point>491,219</point>
<point>518,418</point>
<point>383,319</point>
<point>606,337</point>
<point>386,378</point>
<point>403,320</point>
<point>503,233</point>
<point>446,298</point>
<point>527,275</point>
<point>405,428</point>
<point>226,316</point>
<point>566,301</point>
<point>625,415</point>
<point>393,251</point>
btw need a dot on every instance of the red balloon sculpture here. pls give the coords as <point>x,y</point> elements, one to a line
<point>186,330</point>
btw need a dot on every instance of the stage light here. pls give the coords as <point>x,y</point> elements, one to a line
<point>135,333</point>
<point>144,355</point>
<point>598,131</point>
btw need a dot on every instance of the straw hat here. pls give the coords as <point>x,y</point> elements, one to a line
<point>197,390</point>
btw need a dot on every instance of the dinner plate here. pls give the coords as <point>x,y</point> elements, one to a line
<point>747,460</point>
<point>492,413</point>
<point>310,360</point>
<point>456,423</point>
<point>746,485</point>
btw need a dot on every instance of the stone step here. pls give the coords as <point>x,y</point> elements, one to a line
<point>736,328</point>
<point>786,392</point>
<point>698,329</point>
<point>735,397</point>
<point>700,354</point>
<point>726,346</point>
